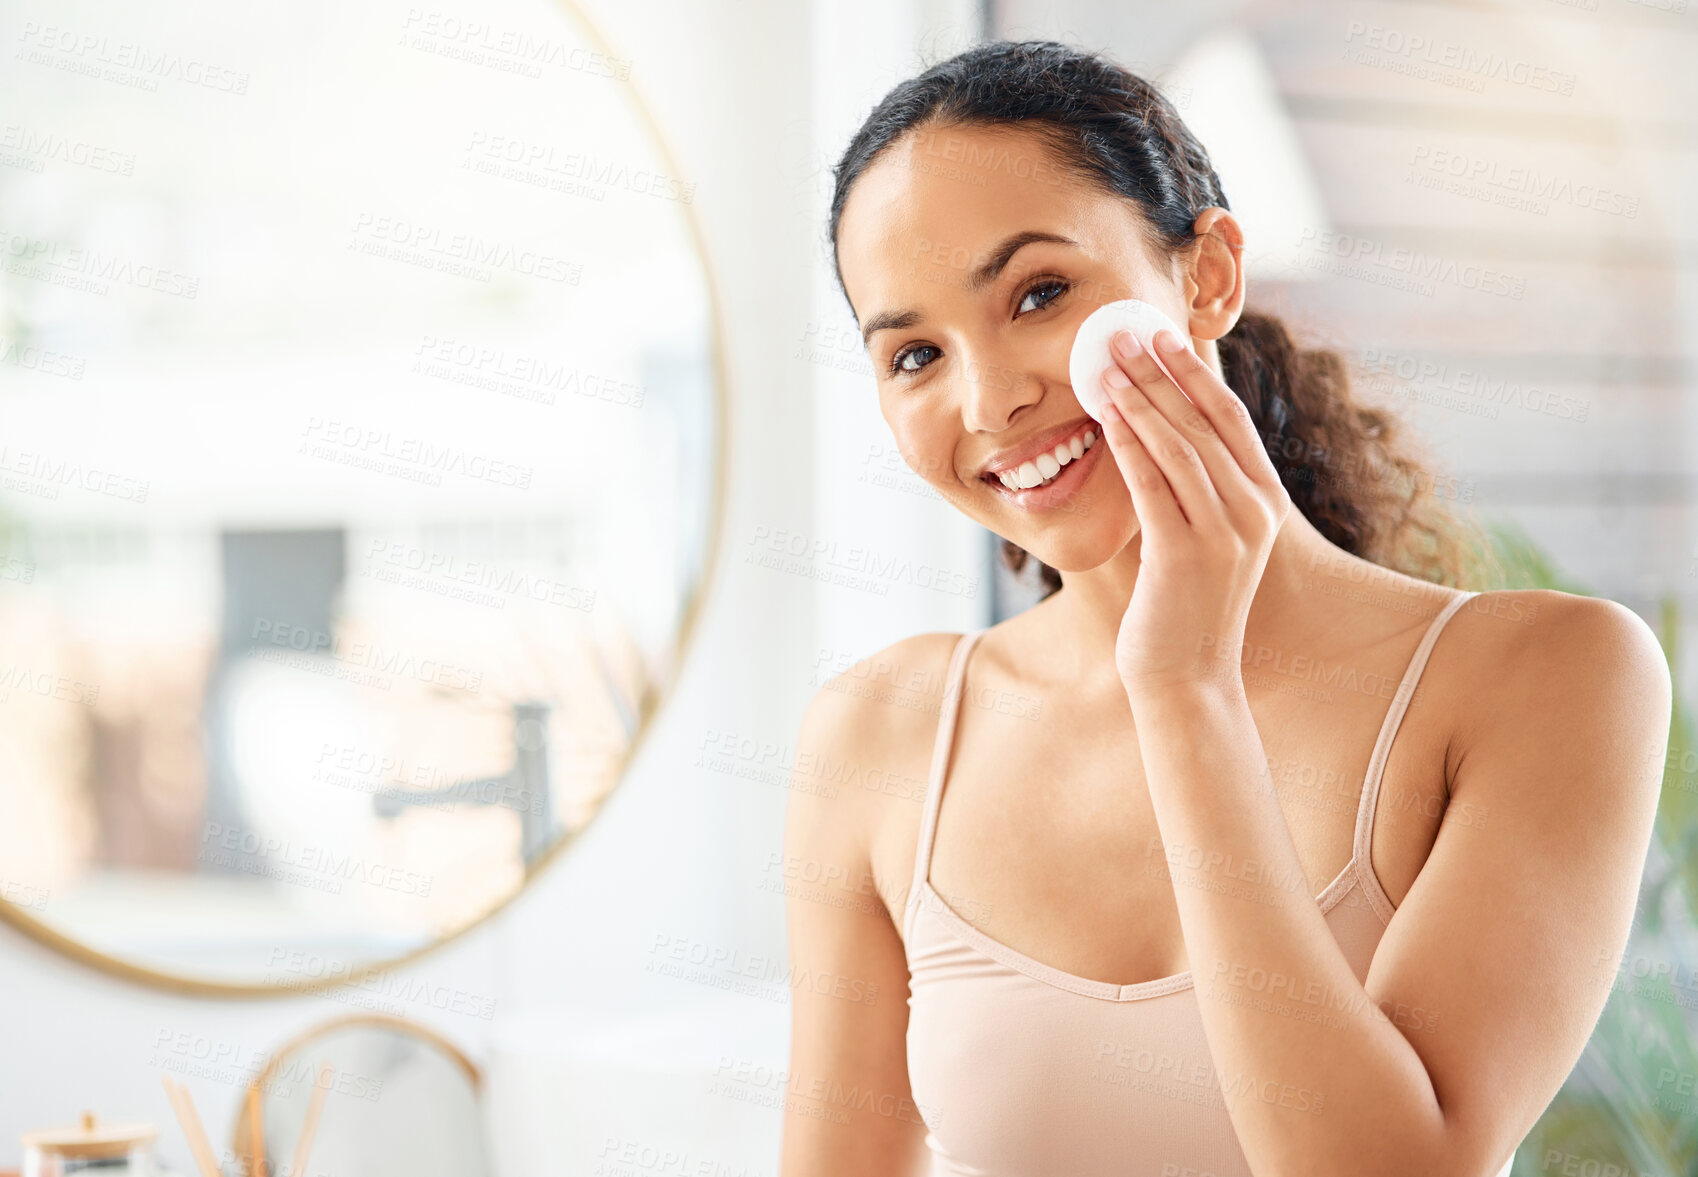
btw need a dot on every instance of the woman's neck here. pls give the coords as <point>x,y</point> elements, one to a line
<point>1081,622</point>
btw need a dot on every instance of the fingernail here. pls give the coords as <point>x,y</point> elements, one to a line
<point>1167,340</point>
<point>1126,344</point>
<point>1115,378</point>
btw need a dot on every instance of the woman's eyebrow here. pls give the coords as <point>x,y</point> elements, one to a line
<point>976,281</point>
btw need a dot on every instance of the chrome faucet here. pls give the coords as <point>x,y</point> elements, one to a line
<point>524,788</point>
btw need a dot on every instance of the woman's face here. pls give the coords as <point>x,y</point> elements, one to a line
<point>970,313</point>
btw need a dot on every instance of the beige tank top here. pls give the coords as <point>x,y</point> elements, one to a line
<point>1022,1070</point>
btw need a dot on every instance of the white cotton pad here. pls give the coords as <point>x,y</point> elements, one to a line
<point>1091,356</point>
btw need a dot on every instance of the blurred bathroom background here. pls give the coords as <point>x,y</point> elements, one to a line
<point>437,468</point>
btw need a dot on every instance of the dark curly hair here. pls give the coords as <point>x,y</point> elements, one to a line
<point>1345,465</point>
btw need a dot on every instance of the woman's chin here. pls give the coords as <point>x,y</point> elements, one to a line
<point>1084,550</point>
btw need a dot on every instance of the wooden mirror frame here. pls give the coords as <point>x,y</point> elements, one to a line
<point>125,970</point>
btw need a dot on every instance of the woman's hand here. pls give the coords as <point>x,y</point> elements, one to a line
<point>1209,504</point>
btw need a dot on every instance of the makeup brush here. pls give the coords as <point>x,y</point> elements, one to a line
<point>256,1136</point>
<point>315,1105</point>
<point>189,1120</point>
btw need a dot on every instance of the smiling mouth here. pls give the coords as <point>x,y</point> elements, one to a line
<point>1050,465</point>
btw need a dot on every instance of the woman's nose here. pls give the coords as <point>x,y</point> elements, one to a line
<point>993,389</point>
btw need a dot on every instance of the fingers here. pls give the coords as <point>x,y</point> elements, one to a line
<point>1227,415</point>
<point>1152,498</point>
<point>1137,386</point>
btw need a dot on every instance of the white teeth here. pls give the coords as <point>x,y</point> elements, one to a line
<point>1047,465</point>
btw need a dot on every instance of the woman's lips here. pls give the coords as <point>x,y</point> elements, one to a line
<point>1060,491</point>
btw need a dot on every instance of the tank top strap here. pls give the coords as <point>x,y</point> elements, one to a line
<point>1365,810</point>
<point>947,712</point>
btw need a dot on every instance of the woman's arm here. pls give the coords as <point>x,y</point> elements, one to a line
<point>1491,974</point>
<point>848,1107</point>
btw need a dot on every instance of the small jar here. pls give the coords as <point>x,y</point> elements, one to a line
<point>92,1150</point>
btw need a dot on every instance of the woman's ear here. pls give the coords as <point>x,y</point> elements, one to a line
<point>1214,274</point>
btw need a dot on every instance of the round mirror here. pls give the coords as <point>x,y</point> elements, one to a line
<point>362,467</point>
<point>365,1096</point>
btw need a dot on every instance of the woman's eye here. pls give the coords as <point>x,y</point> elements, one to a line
<point>1045,293</point>
<point>899,362</point>
<point>1056,290</point>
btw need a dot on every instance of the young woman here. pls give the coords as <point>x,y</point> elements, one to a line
<point>1177,873</point>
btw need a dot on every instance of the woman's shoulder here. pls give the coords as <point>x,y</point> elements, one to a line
<point>863,756</point>
<point>877,715</point>
<point>1552,639</point>
<point>1544,666</point>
